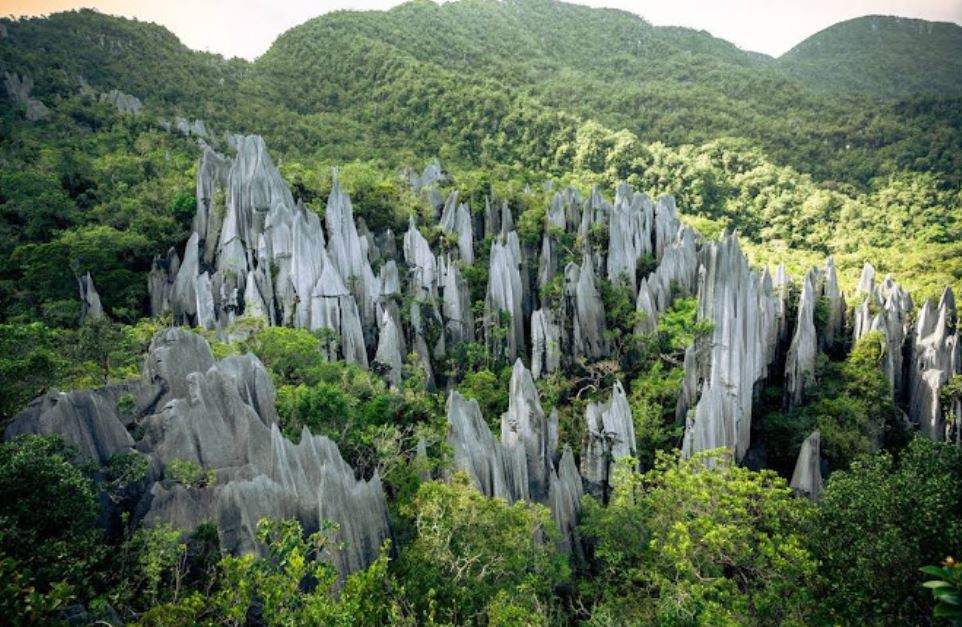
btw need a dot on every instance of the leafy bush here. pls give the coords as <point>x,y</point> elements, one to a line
<point>49,512</point>
<point>189,474</point>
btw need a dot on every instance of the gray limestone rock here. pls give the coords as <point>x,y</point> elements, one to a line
<point>90,420</point>
<point>421,261</point>
<point>333,307</point>
<point>91,309</point>
<point>545,343</point>
<point>800,361</point>
<point>125,103</point>
<point>504,299</point>
<point>183,293</point>
<point>807,477</point>
<point>936,357</point>
<point>221,416</point>
<point>389,349</point>
<point>19,88</point>
<point>173,354</point>
<point>480,455</point>
<point>629,234</point>
<point>455,304</point>
<point>866,283</point>
<point>589,319</point>
<point>611,436</point>
<point>206,313</point>
<point>564,499</point>
<point>832,293</point>
<point>722,375</point>
<point>524,424</point>
<point>347,253</point>
<point>666,224</point>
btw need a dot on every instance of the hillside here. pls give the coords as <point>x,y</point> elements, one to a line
<point>886,56</point>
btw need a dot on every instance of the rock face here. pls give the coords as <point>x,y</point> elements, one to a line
<point>503,305</point>
<point>800,362</point>
<point>522,465</point>
<point>807,478</point>
<point>611,436</point>
<point>721,375</point>
<point>258,255</point>
<point>935,358</point>
<point>125,103</point>
<point>545,343</point>
<point>524,424</point>
<point>19,88</point>
<point>89,299</point>
<point>589,314</point>
<point>495,471</point>
<point>832,294</point>
<point>221,416</point>
<point>885,308</point>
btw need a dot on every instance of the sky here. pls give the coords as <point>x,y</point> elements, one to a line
<point>246,28</point>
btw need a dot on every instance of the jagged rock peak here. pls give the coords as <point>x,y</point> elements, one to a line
<point>495,471</point>
<point>800,361</point>
<point>504,299</point>
<point>742,308</point>
<point>589,321</point>
<point>611,436</point>
<point>807,477</point>
<point>91,308</point>
<point>524,424</point>
<point>418,255</point>
<point>832,293</point>
<point>866,283</point>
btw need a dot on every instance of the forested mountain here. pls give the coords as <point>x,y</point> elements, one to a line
<point>485,312</point>
<point>887,56</point>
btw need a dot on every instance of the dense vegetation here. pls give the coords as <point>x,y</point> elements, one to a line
<point>803,157</point>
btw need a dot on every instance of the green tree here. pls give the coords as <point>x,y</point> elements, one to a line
<point>48,510</point>
<point>474,556</point>
<point>881,520</point>
<point>709,543</point>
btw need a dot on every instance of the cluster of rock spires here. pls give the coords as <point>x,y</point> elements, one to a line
<point>221,416</point>
<point>257,254</point>
<point>525,464</point>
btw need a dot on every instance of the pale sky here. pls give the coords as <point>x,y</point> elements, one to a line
<point>246,28</point>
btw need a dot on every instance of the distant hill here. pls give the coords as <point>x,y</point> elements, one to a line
<point>109,52</point>
<point>517,82</point>
<point>887,56</point>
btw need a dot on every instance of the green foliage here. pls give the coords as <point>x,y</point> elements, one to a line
<point>851,405</point>
<point>291,585</point>
<point>709,542</point>
<point>20,601</point>
<point>291,355</point>
<point>490,392</point>
<point>877,523</point>
<point>474,556</point>
<point>946,590</point>
<point>48,510</point>
<point>30,361</point>
<point>189,474</point>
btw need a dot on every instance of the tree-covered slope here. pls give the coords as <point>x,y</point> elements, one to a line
<point>509,82</point>
<point>140,58</point>
<point>887,56</point>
